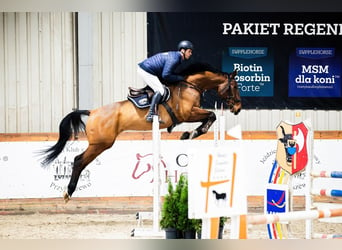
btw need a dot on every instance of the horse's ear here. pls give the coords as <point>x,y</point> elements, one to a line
<point>235,72</point>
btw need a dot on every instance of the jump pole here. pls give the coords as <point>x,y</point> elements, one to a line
<point>156,173</point>
<point>309,183</point>
<point>325,192</point>
<point>293,216</point>
<point>310,175</point>
<point>210,226</point>
<point>327,174</point>
<point>155,231</point>
<point>237,222</point>
<point>327,236</point>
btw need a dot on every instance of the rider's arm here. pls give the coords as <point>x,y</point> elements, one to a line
<point>170,65</point>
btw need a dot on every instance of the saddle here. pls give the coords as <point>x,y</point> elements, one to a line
<point>141,97</point>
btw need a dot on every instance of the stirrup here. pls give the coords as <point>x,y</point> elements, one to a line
<point>149,117</point>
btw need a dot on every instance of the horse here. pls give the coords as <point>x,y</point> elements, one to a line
<point>105,123</point>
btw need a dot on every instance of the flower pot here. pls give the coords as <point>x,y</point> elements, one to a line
<point>199,235</point>
<point>220,232</point>
<point>190,234</point>
<point>179,234</point>
<point>170,233</point>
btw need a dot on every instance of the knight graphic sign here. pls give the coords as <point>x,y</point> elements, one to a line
<point>292,146</point>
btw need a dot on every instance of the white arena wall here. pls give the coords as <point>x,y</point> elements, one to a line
<point>46,72</point>
<point>125,169</point>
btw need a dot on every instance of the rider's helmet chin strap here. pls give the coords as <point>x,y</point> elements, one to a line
<point>183,54</point>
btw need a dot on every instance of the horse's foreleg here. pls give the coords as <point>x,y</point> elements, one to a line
<point>80,162</point>
<point>206,117</point>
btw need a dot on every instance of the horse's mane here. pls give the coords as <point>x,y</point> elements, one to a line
<point>198,67</point>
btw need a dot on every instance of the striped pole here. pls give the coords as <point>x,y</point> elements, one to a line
<point>293,216</point>
<point>327,174</point>
<point>327,192</point>
<point>327,236</point>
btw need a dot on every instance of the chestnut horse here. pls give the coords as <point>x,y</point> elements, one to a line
<point>106,123</point>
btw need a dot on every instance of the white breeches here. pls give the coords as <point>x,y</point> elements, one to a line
<point>151,80</point>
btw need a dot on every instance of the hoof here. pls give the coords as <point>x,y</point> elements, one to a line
<point>185,136</point>
<point>194,134</point>
<point>66,197</point>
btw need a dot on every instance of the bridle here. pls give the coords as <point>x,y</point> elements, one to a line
<point>230,87</point>
<point>230,97</point>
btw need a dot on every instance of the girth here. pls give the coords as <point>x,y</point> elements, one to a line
<point>174,119</point>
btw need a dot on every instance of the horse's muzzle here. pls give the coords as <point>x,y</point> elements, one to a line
<point>235,106</point>
<point>235,109</point>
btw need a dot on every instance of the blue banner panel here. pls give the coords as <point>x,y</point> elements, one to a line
<point>284,60</point>
<point>314,72</point>
<point>255,69</point>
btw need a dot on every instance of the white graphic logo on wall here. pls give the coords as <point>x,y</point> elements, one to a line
<point>61,170</point>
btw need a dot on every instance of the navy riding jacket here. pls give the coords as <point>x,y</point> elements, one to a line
<point>163,65</point>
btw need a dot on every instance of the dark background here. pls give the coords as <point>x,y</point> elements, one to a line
<point>204,29</point>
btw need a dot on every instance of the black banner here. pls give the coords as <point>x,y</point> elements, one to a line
<point>285,60</point>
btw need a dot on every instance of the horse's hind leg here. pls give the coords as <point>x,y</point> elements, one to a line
<point>80,162</point>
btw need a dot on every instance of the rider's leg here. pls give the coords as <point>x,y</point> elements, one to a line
<point>158,88</point>
<point>154,104</point>
<point>151,80</point>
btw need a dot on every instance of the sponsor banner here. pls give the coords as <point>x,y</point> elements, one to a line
<point>261,45</point>
<point>255,69</point>
<point>314,72</point>
<point>126,168</point>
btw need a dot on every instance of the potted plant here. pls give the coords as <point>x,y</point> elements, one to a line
<point>221,226</point>
<point>187,226</point>
<point>169,213</point>
<point>198,228</point>
<point>175,220</point>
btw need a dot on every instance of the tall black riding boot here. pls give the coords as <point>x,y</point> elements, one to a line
<point>154,104</point>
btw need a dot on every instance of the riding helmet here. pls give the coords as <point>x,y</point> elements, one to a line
<point>185,45</point>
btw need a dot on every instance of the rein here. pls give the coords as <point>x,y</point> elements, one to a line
<point>192,86</point>
<point>200,90</point>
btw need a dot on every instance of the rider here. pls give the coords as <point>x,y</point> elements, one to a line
<point>162,66</point>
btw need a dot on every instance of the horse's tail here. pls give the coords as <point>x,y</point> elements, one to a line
<point>70,123</point>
